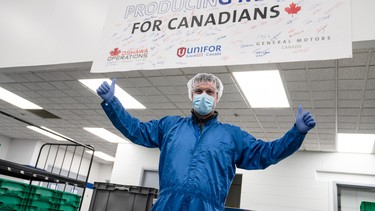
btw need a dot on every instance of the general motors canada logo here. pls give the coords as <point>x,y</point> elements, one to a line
<point>181,52</point>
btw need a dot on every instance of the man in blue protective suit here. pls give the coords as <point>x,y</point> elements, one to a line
<point>198,154</point>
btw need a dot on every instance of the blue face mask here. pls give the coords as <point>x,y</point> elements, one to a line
<point>203,103</point>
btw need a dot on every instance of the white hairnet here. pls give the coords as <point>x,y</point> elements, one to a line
<point>205,77</point>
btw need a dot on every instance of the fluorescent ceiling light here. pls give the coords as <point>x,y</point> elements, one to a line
<point>17,100</point>
<point>106,135</point>
<point>357,143</point>
<point>262,89</point>
<point>126,100</point>
<point>102,155</point>
<point>51,135</point>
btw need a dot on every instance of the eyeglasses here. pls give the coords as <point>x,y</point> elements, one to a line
<point>208,91</point>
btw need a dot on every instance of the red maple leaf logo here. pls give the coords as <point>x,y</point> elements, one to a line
<point>292,9</point>
<point>115,52</point>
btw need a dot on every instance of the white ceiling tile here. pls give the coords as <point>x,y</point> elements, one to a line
<point>269,125</point>
<point>282,111</point>
<point>299,96</point>
<point>305,103</point>
<point>297,86</point>
<point>371,72</point>
<point>174,90</point>
<point>370,84</point>
<point>263,111</point>
<point>294,75</point>
<point>326,131</point>
<point>370,94</point>
<point>136,82</point>
<point>350,84</point>
<point>324,103</point>
<point>177,80</point>
<point>150,90</point>
<point>359,59</point>
<point>365,131</point>
<point>16,77</point>
<point>226,78</point>
<point>153,99</point>
<point>196,70</point>
<point>327,95</point>
<point>284,119</point>
<point>31,77</point>
<point>327,125</point>
<point>229,89</point>
<point>326,136</point>
<point>231,97</point>
<point>372,61</point>
<point>368,119</point>
<point>323,85</point>
<point>352,73</point>
<point>252,67</point>
<point>171,72</point>
<point>325,118</point>
<point>60,85</point>
<point>263,119</point>
<point>322,74</point>
<point>350,95</point>
<point>349,103</point>
<point>320,64</point>
<point>293,65</point>
<point>182,106</point>
<point>324,111</point>
<point>54,76</point>
<point>179,98</point>
<point>5,79</point>
<point>368,126</point>
<point>15,87</point>
<point>368,111</point>
<point>369,103</point>
<point>346,119</point>
<point>33,86</point>
<point>160,81</point>
<point>232,105</point>
<point>348,111</point>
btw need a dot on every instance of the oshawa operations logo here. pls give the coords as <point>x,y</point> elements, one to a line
<point>199,51</point>
<point>125,55</point>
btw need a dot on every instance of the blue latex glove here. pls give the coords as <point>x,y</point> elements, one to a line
<point>304,122</point>
<point>106,91</point>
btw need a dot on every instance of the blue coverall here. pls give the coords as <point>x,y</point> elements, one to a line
<point>198,161</point>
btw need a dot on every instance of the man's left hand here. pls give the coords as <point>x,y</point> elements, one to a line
<point>304,122</point>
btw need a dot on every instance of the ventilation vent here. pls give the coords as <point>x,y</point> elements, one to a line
<point>43,113</point>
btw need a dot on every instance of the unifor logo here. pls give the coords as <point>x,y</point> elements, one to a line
<point>181,52</point>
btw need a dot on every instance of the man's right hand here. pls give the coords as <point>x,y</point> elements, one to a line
<point>106,91</point>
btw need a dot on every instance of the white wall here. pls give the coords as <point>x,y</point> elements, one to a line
<point>4,145</point>
<point>23,151</point>
<point>299,183</point>
<point>351,198</point>
<point>43,32</point>
<point>50,31</point>
<point>130,160</point>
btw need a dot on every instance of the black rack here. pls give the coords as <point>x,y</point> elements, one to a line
<point>40,171</point>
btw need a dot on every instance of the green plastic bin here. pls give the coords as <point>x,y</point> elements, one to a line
<point>367,206</point>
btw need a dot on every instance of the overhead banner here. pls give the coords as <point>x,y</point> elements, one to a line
<point>144,34</point>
